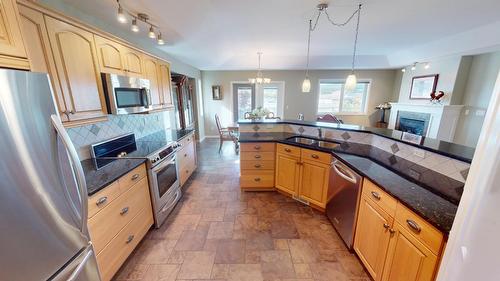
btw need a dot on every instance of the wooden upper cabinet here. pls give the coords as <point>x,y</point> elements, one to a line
<point>314,182</point>
<point>110,55</point>
<point>166,84</point>
<point>408,259</point>
<point>78,69</point>
<point>151,72</point>
<point>133,61</point>
<point>38,49</point>
<point>12,51</point>
<point>372,236</point>
<point>287,173</point>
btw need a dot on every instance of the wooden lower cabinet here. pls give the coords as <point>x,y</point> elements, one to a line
<point>389,250</point>
<point>287,174</point>
<point>314,182</point>
<point>186,158</point>
<point>408,259</point>
<point>372,236</point>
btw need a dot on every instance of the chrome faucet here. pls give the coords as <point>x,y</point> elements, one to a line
<point>301,116</point>
<point>320,133</point>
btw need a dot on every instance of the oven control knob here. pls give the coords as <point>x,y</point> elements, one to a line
<point>153,161</point>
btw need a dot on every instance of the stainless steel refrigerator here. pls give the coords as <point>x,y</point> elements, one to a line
<point>43,196</point>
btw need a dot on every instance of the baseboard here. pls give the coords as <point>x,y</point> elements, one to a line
<point>211,137</point>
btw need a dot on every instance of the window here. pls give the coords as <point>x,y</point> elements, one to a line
<point>270,96</point>
<point>245,99</point>
<point>334,99</point>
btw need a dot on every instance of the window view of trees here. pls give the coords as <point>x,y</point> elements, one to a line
<point>334,99</point>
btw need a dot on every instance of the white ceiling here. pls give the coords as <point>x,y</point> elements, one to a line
<point>226,34</point>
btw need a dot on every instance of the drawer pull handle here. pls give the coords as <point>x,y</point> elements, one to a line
<point>124,211</point>
<point>386,226</point>
<point>288,150</point>
<point>413,225</point>
<point>315,156</point>
<point>392,231</point>
<point>101,201</point>
<point>257,156</point>
<point>257,147</point>
<point>257,165</point>
<point>134,177</point>
<point>185,155</point>
<point>257,179</point>
<point>376,195</point>
<point>130,238</point>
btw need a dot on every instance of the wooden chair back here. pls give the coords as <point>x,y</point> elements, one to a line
<point>219,127</point>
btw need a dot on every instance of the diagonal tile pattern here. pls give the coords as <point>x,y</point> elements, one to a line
<point>217,232</point>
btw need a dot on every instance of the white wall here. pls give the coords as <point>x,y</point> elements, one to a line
<point>447,69</point>
<point>382,83</point>
<point>476,97</point>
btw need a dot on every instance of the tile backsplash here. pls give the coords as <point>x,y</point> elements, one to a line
<point>139,124</point>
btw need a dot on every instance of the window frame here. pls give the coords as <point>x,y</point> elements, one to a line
<point>365,100</point>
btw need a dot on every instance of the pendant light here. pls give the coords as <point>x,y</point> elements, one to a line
<point>351,81</point>
<point>121,15</point>
<point>259,79</point>
<point>306,84</point>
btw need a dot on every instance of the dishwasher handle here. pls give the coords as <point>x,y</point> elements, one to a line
<point>343,172</point>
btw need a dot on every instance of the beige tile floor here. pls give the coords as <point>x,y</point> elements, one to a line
<point>217,232</point>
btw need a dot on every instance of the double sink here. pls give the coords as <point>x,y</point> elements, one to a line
<point>314,142</point>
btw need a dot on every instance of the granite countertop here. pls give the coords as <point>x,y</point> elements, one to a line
<point>438,209</point>
<point>99,179</point>
<point>453,150</point>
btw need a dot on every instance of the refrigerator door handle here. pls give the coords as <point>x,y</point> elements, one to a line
<point>80,176</point>
<point>74,275</point>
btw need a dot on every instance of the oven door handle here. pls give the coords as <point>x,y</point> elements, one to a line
<point>163,164</point>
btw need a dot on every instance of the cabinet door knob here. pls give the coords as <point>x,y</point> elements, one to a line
<point>386,226</point>
<point>130,238</point>
<point>101,200</point>
<point>376,195</point>
<point>124,211</point>
<point>288,150</point>
<point>257,165</point>
<point>257,179</point>
<point>134,177</point>
<point>257,156</point>
<point>392,231</point>
<point>414,225</point>
<point>315,156</point>
<point>257,147</point>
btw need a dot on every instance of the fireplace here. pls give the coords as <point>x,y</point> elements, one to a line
<point>413,122</point>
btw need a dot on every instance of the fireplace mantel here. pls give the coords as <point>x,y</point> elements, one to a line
<point>443,120</point>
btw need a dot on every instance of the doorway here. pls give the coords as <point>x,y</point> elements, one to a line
<point>247,97</point>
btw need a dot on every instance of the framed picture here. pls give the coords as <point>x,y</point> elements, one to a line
<point>423,86</point>
<point>409,137</point>
<point>216,92</point>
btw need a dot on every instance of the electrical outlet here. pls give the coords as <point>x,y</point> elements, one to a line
<point>419,153</point>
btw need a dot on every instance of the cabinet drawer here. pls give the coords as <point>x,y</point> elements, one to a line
<point>186,140</point>
<point>102,198</point>
<point>117,251</point>
<point>185,172</point>
<point>418,227</point>
<point>313,155</point>
<point>256,156</point>
<point>257,146</point>
<point>256,178</point>
<point>288,149</point>
<point>110,220</point>
<point>380,197</point>
<point>132,177</point>
<point>257,165</point>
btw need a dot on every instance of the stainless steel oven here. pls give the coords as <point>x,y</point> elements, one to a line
<point>126,95</point>
<point>165,186</point>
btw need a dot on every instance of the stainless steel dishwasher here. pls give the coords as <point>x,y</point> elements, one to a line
<point>345,187</point>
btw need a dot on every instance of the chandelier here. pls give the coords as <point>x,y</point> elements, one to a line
<point>260,79</point>
<point>351,80</point>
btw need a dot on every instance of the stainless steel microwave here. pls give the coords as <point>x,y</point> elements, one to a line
<point>126,95</point>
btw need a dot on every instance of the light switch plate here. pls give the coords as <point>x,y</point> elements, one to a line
<point>419,153</point>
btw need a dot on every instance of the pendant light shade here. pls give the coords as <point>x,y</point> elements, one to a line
<point>259,79</point>
<point>306,85</point>
<point>350,83</point>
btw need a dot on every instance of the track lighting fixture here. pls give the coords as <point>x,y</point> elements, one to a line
<point>134,27</point>
<point>121,15</point>
<point>160,40</point>
<point>151,33</point>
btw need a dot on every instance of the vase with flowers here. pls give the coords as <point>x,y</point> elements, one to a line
<point>259,112</point>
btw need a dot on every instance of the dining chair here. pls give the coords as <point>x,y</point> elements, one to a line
<point>225,135</point>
